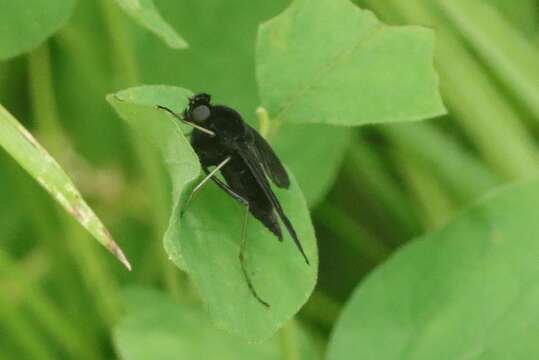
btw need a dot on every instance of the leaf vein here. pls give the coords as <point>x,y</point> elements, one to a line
<point>329,68</point>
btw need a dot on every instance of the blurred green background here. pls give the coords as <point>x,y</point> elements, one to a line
<point>61,293</point>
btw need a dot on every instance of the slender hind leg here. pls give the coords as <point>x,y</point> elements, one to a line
<point>242,258</point>
<point>243,242</point>
<point>201,184</point>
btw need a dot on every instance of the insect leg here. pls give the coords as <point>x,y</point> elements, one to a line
<point>204,130</point>
<point>242,258</point>
<point>228,189</point>
<point>245,203</point>
<point>204,181</point>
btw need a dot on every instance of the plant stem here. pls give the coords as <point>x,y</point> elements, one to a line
<point>289,342</point>
<point>264,120</point>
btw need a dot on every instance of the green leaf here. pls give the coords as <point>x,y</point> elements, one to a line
<point>210,247</point>
<point>137,106</point>
<point>469,290</point>
<point>314,152</point>
<point>328,61</point>
<point>24,25</point>
<point>206,241</point>
<point>22,146</point>
<point>236,87</point>
<point>157,328</point>
<point>146,14</point>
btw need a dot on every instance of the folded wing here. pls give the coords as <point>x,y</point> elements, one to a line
<point>250,154</point>
<point>271,163</point>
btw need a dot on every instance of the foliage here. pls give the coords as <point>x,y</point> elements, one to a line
<point>34,21</point>
<point>321,68</point>
<point>479,270</point>
<point>185,329</point>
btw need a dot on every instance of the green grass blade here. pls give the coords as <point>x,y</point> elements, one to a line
<point>441,155</point>
<point>22,146</point>
<point>42,309</point>
<point>436,205</point>
<point>513,57</point>
<point>524,15</point>
<point>482,111</point>
<point>342,224</point>
<point>366,169</point>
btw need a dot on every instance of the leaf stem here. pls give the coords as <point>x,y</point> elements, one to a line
<point>289,342</point>
<point>264,121</point>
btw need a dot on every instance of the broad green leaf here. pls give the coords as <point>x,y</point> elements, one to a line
<point>137,106</point>
<point>25,24</point>
<point>146,14</point>
<point>22,146</point>
<point>314,152</point>
<point>206,241</point>
<point>328,61</point>
<point>210,247</point>
<point>467,291</point>
<point>236,87</point>
<point>155,327</point>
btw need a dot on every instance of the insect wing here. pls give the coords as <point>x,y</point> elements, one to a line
<point>249,154</point>
<point>271,163</point>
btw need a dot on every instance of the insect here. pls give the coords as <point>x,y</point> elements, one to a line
<point>225,142</point>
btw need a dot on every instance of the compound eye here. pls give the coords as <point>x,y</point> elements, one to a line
<point>200,113</point>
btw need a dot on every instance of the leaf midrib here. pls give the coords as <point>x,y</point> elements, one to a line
<point>329,67</point>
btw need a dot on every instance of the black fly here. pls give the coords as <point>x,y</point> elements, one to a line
<point>224,141</point>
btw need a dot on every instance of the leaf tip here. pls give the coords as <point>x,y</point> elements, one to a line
<point>119,254</point>
<point>178,43</point>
